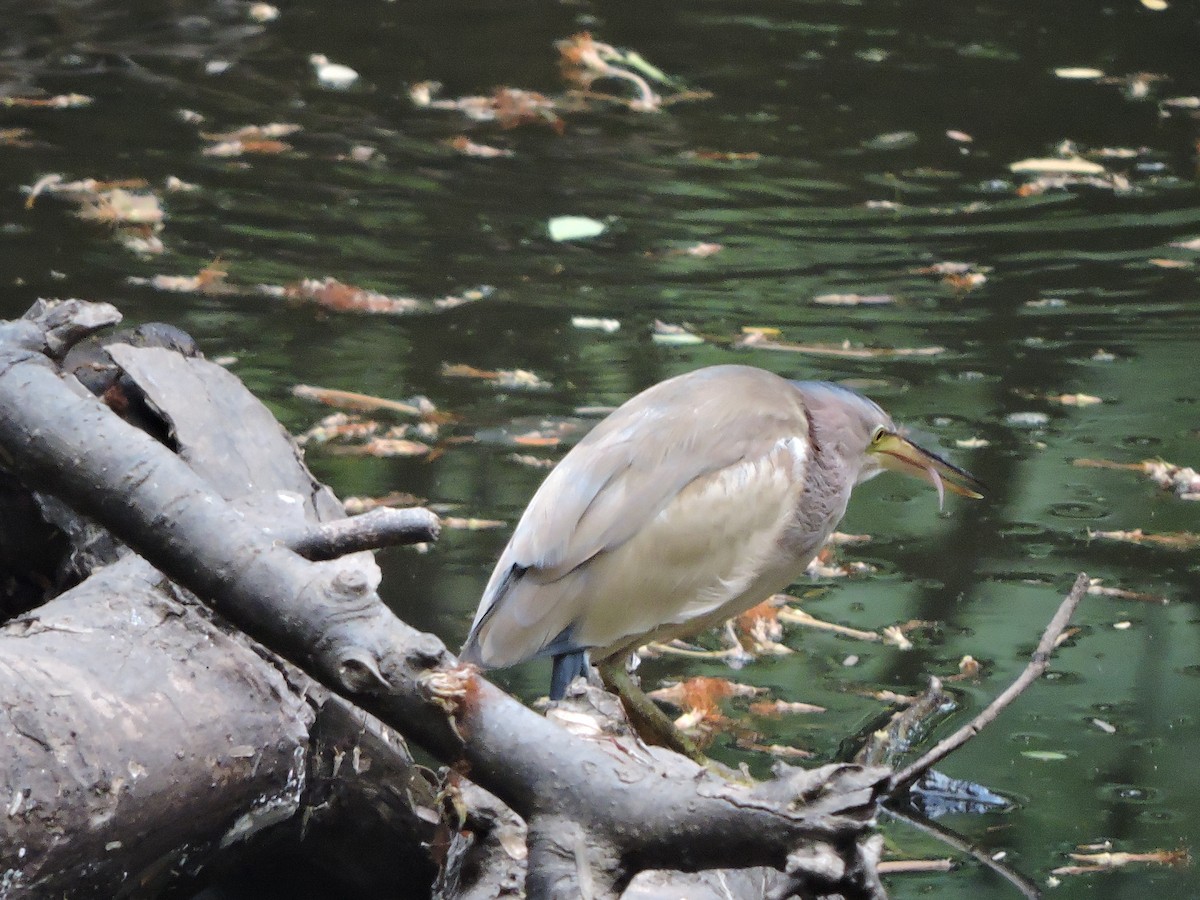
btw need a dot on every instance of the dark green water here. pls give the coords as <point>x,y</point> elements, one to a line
<point>811,87</point>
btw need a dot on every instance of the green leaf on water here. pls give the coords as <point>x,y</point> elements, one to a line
<point>574,228</point>
<point>1044,755</point>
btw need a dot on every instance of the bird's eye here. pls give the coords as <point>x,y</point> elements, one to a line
<point>879,435</point>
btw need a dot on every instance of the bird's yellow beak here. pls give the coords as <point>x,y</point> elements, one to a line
<point>899,454</point>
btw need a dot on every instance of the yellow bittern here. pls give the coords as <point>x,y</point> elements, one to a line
<point>692,502</point>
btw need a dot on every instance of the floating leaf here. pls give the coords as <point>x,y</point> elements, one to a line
<point>574,228</point>
<point>1079,72</point>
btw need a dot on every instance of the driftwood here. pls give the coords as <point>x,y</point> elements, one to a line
<point>583,810</point>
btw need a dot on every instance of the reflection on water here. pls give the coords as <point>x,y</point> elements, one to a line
<point>848,149</point>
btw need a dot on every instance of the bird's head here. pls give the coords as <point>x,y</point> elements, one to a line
<point>861,431</point>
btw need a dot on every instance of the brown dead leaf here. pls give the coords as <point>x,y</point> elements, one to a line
<point>209,280</point>
<point>330,293</point>
<point>965,282</point>
<point>703,692</point>
<point>119,206</point>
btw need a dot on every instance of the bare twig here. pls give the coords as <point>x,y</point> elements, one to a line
<point>903,780</point>
<point>958,842</point>
<point>381,527</point>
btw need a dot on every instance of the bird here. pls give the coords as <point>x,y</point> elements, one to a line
<point>690,503</point>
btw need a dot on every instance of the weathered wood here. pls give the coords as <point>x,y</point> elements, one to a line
<point>117,763</point>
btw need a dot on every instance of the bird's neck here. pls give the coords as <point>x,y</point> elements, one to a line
<point>824,497</point>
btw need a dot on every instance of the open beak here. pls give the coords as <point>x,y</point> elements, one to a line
<point>901,455</point>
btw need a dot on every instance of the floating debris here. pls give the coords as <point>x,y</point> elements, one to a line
<point>722,155</point>
<point>505,378</point>
<point>331,74</point>
<point>595,324</point>
<point>62,101</point>
<point>1096,587</point>
<point>263,12</point>
<point>1183,481</point>
<point>338,427</point>
<point>1070,165</point>
<point>854,299</point>
<point>467,147</point>
<point>1173,540</point>
<point>470,524</point>
<point>532,462</point>
<point>846,350</point>
<point>386,448</point>
<point>329,293</point>
<point>574,228</point>
<point>417,406</point>
<point>1080,73</point>
<point>209,280</point>
<point>674,335</point>
<point>1108,861</point>
<point>1074,399</point>
<point>508,107</point>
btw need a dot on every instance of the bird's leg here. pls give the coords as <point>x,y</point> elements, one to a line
<point>567,667</point>
<point>650,723</point>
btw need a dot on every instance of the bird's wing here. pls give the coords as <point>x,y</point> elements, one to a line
<point>617,479</point>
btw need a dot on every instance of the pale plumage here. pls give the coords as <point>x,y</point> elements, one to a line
<point>692,502</point>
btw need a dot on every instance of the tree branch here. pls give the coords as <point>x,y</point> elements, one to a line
<point>903,780</point>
